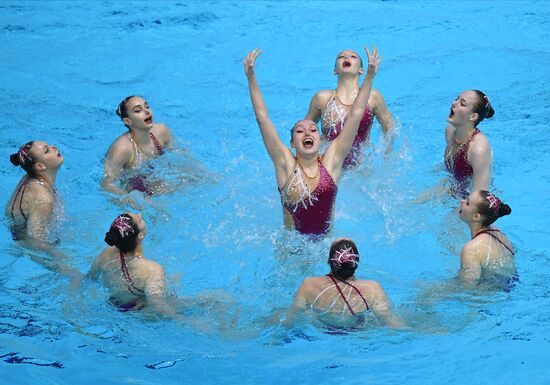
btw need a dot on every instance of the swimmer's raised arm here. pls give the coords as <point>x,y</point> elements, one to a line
<point>339,148</point>
<point>279,153</point>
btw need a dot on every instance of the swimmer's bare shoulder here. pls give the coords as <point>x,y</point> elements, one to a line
<point>163,134</point>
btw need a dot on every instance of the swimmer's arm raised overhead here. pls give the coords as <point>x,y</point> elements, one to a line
<point>470,267</point>
<point>481,157</point>
<point>339,148</point>
<point>279,153</point>
<point>119,155</point>
<point>380,305</point>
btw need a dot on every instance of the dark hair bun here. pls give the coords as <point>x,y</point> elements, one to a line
<point>112,237</point>
<point>490,111</point>
<point>503,210</point>
<point>15,159</point>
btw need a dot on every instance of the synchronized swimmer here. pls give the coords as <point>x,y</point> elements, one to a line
<point>332,107</point>
<point>307,182</point>
<point>144,140</point>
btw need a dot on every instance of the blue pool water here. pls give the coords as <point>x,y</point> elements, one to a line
<point>66,65</point>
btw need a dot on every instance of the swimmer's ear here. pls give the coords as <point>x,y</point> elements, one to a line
<point>476,217</point>
<point>126,122</point>
<point>140,236</point>
<point>335,72</point>
<point>474,117</point>
<point>361,71</point>
<point>38,166</point>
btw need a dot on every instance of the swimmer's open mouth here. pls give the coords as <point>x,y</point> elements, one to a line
<point>452,113</point>
<point>58,154</point>
<point>346,64</point>
<point>308,142</point>
<point>148,120</point>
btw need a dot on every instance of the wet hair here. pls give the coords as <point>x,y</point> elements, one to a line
<point>482,107</point>
<point>122,234</point>
<point>343,268</point>
<point>491,208</point>
<point>122,109</point>
<point>23,158</point>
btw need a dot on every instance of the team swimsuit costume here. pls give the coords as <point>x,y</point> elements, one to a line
<point>458,164</point>
<point>332,120</point>
<point>312,210</point>
<point>139,182</point>
<point>350,287</point>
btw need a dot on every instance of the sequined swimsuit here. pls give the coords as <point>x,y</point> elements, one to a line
<point>312,211</point>
<point>458,164</point>
<point>333,118</point>
<point>139,182</point>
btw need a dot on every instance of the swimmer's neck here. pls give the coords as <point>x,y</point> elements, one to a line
<point>137,252</point>
<point>141,137</point>
<point>462,132</point>
<point>475,228</point>
<point>307,161</point>
<point>348,86</point>
<point>47,177</point>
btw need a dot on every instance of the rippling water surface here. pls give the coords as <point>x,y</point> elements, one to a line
<point>66,65</point>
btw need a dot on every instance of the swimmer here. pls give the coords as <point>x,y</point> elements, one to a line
<point>31,205</point>
<point>307,182</point>
<point>489,255</point>
<point>133,281</point>
<point>338,298</point>
<point>468,155</point>
<point>144,140</point>
<point>333,106</point>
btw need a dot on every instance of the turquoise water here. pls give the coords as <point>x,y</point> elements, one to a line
<point>65,67</point>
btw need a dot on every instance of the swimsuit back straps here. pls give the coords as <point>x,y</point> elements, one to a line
<point>490,232</point>
<point>131,286</point>
<point>342,294</point>
<point>21,190</point>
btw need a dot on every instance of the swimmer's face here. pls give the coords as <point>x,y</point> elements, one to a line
<point>45,156</point>
<point>462,109</point>
<point>348,61</point>
<point>468,211</point>
<point>139,222</point>
<point>139,114</point>
<point>306,137</point>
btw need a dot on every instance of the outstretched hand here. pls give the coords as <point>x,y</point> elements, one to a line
<point>250,60</point>
<point>374,60</point>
